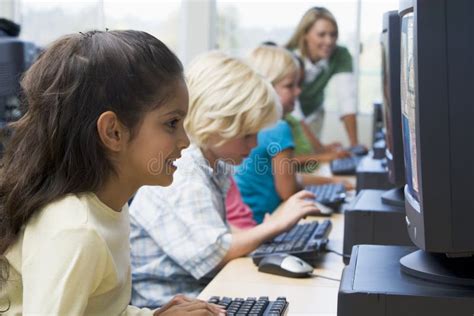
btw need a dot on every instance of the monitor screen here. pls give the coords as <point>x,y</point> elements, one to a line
<point>386,100</point>
<point>390,44</point>
<point>408,99</point>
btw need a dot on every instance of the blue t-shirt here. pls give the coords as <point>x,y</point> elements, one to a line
<point>254,176</point>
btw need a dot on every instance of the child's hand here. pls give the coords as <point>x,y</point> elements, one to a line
<point>347,184</point>
<point>329,156</point>
<point>336,146</point>
<point>182,305</point>
<point>298,206</point>
<point>341,154</point>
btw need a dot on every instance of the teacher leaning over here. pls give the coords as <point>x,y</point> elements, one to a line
<point>315,41</point>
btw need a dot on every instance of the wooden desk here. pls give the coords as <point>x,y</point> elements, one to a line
<point>311,296</point>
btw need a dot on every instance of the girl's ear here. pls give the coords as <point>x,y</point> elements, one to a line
<point>111,132</point>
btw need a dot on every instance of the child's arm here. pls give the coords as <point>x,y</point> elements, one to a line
<point>317,145</point>
<point>303,160</point>
<point>311,179</point>
<point>284,173</point>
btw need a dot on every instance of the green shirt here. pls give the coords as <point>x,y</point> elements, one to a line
<point>312,94</point>
<point>301,142</point>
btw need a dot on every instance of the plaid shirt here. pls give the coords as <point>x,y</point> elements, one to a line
<point>179,233</point>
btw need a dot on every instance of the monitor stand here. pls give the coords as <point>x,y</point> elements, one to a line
<point>367,220</point>
<point>374,285</point>
<point>439,268</point>
<point>394,197</point>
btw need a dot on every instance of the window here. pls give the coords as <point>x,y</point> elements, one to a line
<point>159,18</point>
<point>44,21</point>
<point>370,60</point>
<point>243,25</point>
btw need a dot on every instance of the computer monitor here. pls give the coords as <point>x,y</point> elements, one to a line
<point>390,42</point>
<point>15,57</point>
<point>437,80</point>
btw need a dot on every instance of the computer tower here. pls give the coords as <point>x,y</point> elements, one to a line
<point>437,76</point>
<point>372,173</point>
<point>367,220</point>
<point>373,285</point>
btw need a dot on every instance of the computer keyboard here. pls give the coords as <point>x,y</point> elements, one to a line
<point>252,306</point>
<point>305,241</point>
<point>332,195</point>
<point>344,166</point>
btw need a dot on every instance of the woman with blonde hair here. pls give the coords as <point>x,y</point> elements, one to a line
<point>315,42</point>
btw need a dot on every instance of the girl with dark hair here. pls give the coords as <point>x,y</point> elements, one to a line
<point>105,116</point>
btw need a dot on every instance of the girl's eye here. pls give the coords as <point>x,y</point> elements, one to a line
<point>172,124</point>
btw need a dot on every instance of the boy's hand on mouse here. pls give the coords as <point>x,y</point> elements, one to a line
<point>347,184</point>
<point>299,205</point>
<point>182,305</point>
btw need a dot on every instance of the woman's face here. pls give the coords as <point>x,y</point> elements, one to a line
<point>321,39</point>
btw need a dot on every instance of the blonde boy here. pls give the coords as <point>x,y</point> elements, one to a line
<point>180,237</point>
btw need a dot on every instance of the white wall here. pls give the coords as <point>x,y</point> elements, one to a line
<point>7,9</point>
<point>333,129</point>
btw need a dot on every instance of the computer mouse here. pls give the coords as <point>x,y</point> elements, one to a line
<point>285,265</point>
<point>323,209</point>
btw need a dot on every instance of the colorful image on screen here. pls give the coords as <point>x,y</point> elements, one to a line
<point>408,99</point>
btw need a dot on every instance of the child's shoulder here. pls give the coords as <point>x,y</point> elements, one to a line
<point>68,211</point>
<point>280,130</point>
<point>281,126</point>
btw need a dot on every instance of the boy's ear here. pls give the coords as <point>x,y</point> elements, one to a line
<point>111,132</point>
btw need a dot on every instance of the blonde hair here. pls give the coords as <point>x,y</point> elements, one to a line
<point>273,62</point>
<point>226,98</point>
<point>314,14</point>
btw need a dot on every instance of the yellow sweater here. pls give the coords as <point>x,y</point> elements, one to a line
<point>72,258</point>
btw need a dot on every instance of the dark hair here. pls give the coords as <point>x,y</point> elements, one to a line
<point>269,43</point>
<point>9,27</point>
<point>55,148</point>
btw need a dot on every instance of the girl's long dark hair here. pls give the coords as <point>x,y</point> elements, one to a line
<point>55,148</point>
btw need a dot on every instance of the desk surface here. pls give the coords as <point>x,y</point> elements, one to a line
<point>311,296</point>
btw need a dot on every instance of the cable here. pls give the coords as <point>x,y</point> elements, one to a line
<point>338,253</point>
<point>324,277</point>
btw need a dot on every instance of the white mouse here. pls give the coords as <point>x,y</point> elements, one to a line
<point>285,265</point>
<point>324,210</point>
